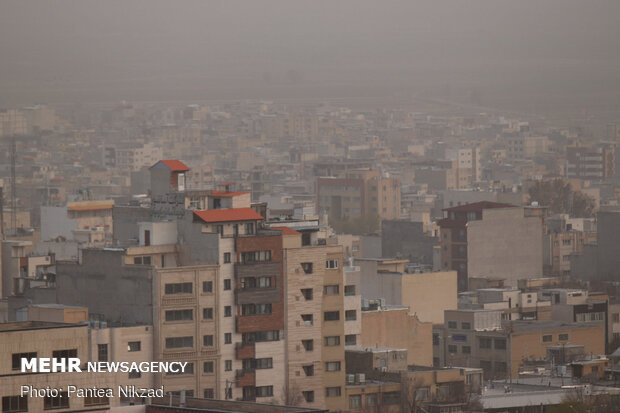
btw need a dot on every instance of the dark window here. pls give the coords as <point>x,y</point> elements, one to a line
<point>179,315</point>
<point>207,367</point>
<point>485,342</point>
<point>331,264</point>
<point>332,392</point>
<point>308,344</point>
<point>14,404</point>
<point>255,309</point>
<point>134,375</point>
<point>466,350</point>
<point>207,313</point>
<point>332,366</point>
<point>209,394</point>
<point>134,346</point>
<point>260,336</point>
<point>255,256</point>
<point>227,311</point>
<point>307,267</point>
<point>466,326</point>
<point>452,348</point>
<point>207,341</point>
<point>227,258</point>
<point>307,293</point>
<point>500,344</point>
<point>331,290</point>
<point>179,288</point>
<point>349,290</point>
<point>332,341</point>
<point>308,396</point>
<point>96,401</point>
<point>331,315</point>
<point>227,284</point>
<point>227,338</point>
<point>563,337</point>
<point>189,369</point>
<point>65,354</point>
<point>17,359</point>
<point>308,370</point>
<point>60,402</point>
<point>264,391</point>
<point>102,352</point>
<point>547,338</point>
<point>207,286</point>
<point>264,363</point>
<point>435,339</point>
<point>350,340</point>
<point>452,324</point>
<point>350,315</point>
<point>180,342</point>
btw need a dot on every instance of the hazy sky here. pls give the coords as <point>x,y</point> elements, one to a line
<point>62,50</point>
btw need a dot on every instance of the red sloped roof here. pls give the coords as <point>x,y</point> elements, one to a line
<point>478,206</point>
<point>286,230</point>
<point>226,215</point>
<point>175,165</point>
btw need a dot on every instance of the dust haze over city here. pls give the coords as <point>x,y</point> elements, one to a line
<point>310,206</point>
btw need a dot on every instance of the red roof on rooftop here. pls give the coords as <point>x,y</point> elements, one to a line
<point>174,165</point>
<point>478,206</point>
<point>227,215</point>
<point>226,184</point>
<point>286,230</point>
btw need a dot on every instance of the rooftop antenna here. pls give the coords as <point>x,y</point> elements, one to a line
<point>13,186</point>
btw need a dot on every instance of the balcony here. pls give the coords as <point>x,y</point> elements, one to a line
<point>245,351</point>
<point>257,269</point>
<point>245,378</point>
<point>257,295</point>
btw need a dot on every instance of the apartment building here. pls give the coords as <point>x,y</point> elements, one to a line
<point>31,339</point>
<point>592,163</point>
<point>491,240</point>
<point>514,303</point>
<point>468,166</point>
<point>359,193</point>
<point>524,147</point>
<point>131,158</point>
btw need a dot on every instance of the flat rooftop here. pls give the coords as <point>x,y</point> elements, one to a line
<point>35,325</point>
<point>226,406</point>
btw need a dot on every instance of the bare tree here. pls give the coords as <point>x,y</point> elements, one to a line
<point>414,394</point>
<point>291,395</point>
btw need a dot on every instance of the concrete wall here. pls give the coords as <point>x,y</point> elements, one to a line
<point>383,285</point>
<point>126,220</point>
<point>406,239</point>
<point>54,222</point>
<point>429,294</point>
<point>197,247</point>
<point>608,240</point>
<point>505,245</point>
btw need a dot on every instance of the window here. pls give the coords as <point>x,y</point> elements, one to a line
<point>264,363</point>
<point>485,342</point>
<point>207,340</point>
<point>227,258</point>
<point>371,399</point>
<point>615,317</point>
<point>227,311</point>
<point>219,229</point>
<point>308,396</point>
<point>207,286</point>
<point>96,401</point>
<point>435,339</point>
<point>260,336</point>
<point>330,290</point>
<point>17,359</point>
<point>355,401</point>
<point>264,282</point>
<point>227,365</point>
<point>422,393</point>
<point>500,344</point>
<point>547,338</point>
<point>227,284</point>
<point>563,337</point>
<point>179,315</point>
<point>207,367</point>
<point>14,404</point>
<point>180,342</point>
<point>134,346</point>
<point>255,309</point>
<point>102,352</point>
<point>264,391</point>
<point>208,394</point>
<point>350,340</point>
<point>65,354</point>
<point>134,375</point>
<point>178,288</point>
<point>452,348</point>
<point>60,402</point>
<point>308,344</point>
<point>331,265</point>
<point>466,350</point>
<point>307,293</point>
<point>332,341</point>
<point>349,290</point>
<point>255,256</point>
<point>452,324</point>
<point>309,370</point>
<point>227,338</point>
<point>350,315</point>
<point>332,366</point>
<point>465,326</point>
<point>249,228</point>
<point>307,267</point>
<point>332,392</point>
<point>331,315</point>
<point>308,319</point>
<point>146,260</point>
<point>207,313</point>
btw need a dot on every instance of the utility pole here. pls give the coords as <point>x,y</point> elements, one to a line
<point>13,188</point>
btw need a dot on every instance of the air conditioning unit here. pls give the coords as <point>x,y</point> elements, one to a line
<point>383,369</point>
<point>360,378</point>
<point>350,378</point>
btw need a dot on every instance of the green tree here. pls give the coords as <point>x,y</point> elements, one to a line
<point>560,197</point>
